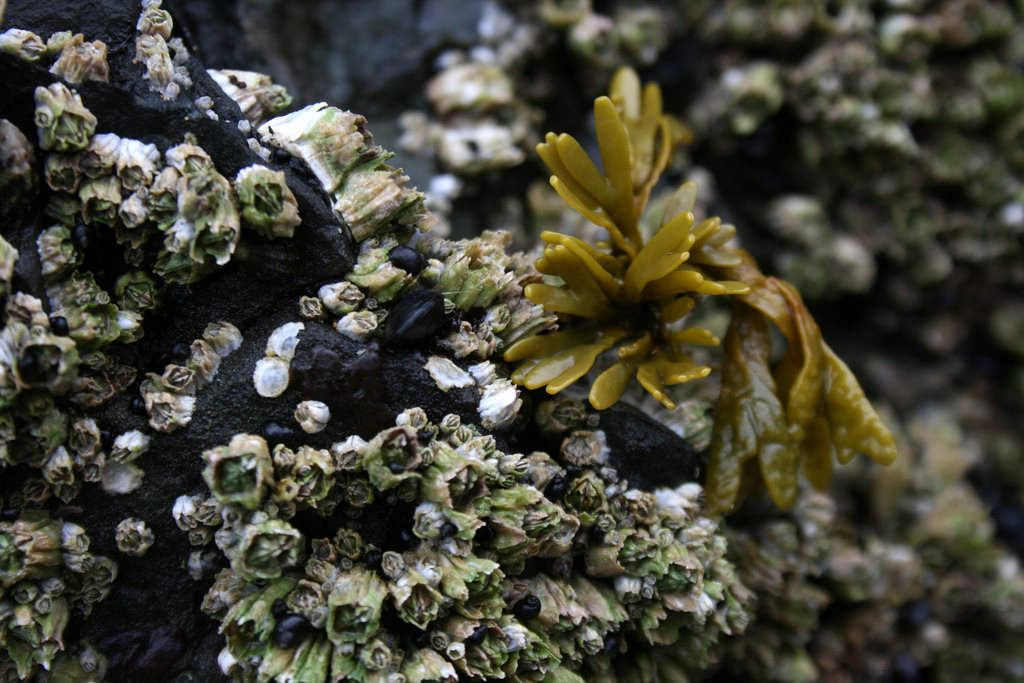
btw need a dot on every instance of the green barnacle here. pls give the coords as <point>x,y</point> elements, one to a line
<point>24,44</point>
<point>62,172</point>
<point>354,606</point>
<point>137,164</point>
<point>455,477</point>
<point>415,588</point>
<point>266,202</point>
<point>487,655</point>
<point>256,94</point>
<point>240,473</point>
<point>373,198</point>
<point>474,583</point>
<point>476,270</point>
<point>30,547</point>
<point>423,665</point>
<point>310,475</point>
<point>101,200</point>
<point>81,61</point>
<point>63,122</point>
<point>375,272</point>
<point>526,524</point>
<point>99,157</point>
<point>8,257</point>
<point>391,458</point>
<point>261,547</point>
<point>136,291</point>
<point>45,360</point>
<point>162,199</point>
<point>632,290</point>
<point>93,320</point>
<point>206,230</point>
<point>57,253</point>
<point>586,498</point>
<point>329,140</point>
<point>133,537</point>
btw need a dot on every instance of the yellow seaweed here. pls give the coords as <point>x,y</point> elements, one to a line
<point>771,423</point>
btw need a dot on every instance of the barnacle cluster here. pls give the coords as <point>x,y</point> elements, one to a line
<point>146,198</point>
<point>165,74</point>
<point>46,573</point>
<point>867,107</point>
<point>481,126</point>
<point>71,58</point>
<point>493,565</point>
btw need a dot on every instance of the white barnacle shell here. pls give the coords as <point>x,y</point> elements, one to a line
<point>134,210</point>
<point>24,44</point>
<point>357,325</point>
<point>99,158</point>
<point>227,662</point>
<point>270,376</point>
<point>137,163</point>
<point>484,373</point>
<point>129,445</point>
<point>155,21</point>
<point>446,374</point>
<point>284,340</point>
<point>188,158</point>
<point>255,93</point>
<point>472,86</point>
<point>499,404</point>
<point>312,416</point>
<point>348,454</point>
<point>223,337</point>
<point>81,61</point>
<point>184,512</point>
<point>152,51</point>
<point>340,297</point>
<point>479,146</point>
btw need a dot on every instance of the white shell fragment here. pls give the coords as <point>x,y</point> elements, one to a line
<point>120,478</point>
<point>483,373</point>
<point>499,404</point>
<point>270,377</point>
<point>284,340</point>
<point>312,416</point>
<point>446,374</point>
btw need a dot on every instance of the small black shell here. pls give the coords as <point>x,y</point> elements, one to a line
<point>408,259</point>
<point>59,326</point>
<point>290,630</point>
<point>528,607</point>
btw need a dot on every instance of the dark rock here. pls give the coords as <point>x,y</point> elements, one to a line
<point>646,452</point>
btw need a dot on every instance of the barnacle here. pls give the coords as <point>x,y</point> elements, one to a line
<point>633,290</point>
<point>771,423</point>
